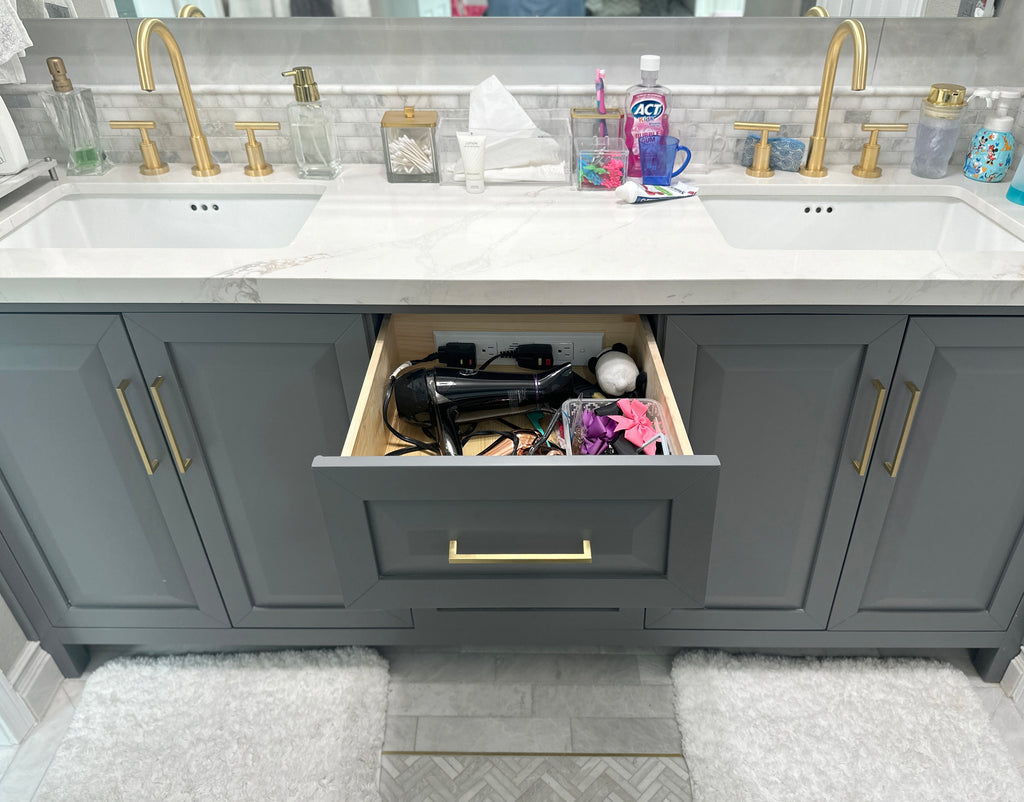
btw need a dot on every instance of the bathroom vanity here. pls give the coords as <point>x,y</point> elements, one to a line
<point>191,446</point>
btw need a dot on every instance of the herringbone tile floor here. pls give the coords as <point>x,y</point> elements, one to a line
<point>536,778</point>
<point>544,726</point>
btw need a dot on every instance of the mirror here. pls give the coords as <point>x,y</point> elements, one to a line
<point>965,9</point>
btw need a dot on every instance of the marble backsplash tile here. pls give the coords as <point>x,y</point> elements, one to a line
<point>702,116</point>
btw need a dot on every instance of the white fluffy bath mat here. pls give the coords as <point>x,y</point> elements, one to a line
<point>290,725</point>
<point>767,729</point>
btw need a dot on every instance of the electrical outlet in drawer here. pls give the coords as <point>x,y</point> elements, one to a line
<point>422,530</point>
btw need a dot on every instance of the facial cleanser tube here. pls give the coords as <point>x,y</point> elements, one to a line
<point>471,146</point>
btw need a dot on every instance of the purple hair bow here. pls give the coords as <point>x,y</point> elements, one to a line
<point>597,432</point>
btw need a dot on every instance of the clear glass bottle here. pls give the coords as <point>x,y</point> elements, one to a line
<point>316,149</point>
<point>938,130</point>
<point>73,113</point>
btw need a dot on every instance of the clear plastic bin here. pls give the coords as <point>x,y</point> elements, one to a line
<point>572,421</point>
<point>553,123</point>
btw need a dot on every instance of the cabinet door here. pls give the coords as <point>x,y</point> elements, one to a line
<point>938,545</point>
<point>102,542</point>
<point>250,399</point>
<point>786,402</point>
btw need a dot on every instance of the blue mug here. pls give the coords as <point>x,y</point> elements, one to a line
<point>658,157</point>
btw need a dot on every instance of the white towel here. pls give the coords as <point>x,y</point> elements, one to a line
<point>13,41</point>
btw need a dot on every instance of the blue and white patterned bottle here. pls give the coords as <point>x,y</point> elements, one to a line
<point>991,149</point>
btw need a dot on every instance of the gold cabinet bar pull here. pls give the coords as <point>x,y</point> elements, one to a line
<point>454,558</point>
<point>861,464</point>
<point>149,464</point>
<point>154,388</point>
<point>915,395</point>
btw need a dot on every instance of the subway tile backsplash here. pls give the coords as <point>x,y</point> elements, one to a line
<point>702,116</point>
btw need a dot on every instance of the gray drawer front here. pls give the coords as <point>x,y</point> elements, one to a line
<point>648,520</point>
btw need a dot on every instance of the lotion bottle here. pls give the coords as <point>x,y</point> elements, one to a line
<point>991,150</point>
<point>647,107</point>
<point>12,152</point>
<point>316,150</point>
<point>73,113</point>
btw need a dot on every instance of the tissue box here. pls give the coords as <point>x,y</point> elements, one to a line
<point>554,123</point>
<point>787,154</point>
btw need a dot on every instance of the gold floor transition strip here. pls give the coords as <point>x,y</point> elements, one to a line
<point>530,754</point>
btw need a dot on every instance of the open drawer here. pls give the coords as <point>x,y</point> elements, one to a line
<point>407,523</point>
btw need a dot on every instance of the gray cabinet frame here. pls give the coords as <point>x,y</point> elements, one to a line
<point>786,402</point>
<point>287,390</point>
<point>941,545</point>
<point>67,430</point>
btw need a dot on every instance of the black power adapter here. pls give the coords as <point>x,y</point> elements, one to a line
<point>457,355</point>
<point>535,356</point>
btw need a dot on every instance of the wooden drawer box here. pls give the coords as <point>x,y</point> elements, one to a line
<point>647,519</point>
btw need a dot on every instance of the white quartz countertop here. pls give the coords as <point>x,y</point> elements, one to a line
<point>379,245</point>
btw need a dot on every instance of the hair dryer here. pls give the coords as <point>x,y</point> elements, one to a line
<point>446,397</point>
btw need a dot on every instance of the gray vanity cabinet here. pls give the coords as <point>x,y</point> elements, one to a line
<point>937,543</point>
<point>250,399</point>
<point>787,404</point>
<point>90,506</point>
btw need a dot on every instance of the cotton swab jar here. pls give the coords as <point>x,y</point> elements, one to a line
<point>410,146</point>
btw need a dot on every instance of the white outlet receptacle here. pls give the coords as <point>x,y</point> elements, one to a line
<point>576,347</point>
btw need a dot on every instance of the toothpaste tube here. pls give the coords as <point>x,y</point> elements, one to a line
<point>648,193</point>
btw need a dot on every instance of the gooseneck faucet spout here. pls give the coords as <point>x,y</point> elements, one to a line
<point>204,165</point>
<point>851,28</point>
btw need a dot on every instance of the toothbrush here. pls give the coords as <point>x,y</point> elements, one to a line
<point>599,87</point>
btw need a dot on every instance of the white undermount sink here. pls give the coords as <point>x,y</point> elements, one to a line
<point>162,218</point>
<point>823,221</point>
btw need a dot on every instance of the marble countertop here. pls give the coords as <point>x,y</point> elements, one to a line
<point>379,245</point>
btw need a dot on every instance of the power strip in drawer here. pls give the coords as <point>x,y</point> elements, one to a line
<point>567,346</point>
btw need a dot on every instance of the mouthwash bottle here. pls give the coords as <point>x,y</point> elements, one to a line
<point>73,113</point>
<point>647,106</point>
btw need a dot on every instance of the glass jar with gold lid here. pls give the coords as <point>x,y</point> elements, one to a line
<point>938,130</point>
<point>410,145</point>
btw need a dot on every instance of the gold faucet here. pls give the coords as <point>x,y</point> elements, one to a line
<point>204,165</point>
<point>847,28</point>
<point>191,10</point>
<point>816,11</point>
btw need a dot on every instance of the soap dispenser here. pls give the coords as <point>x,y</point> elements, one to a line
<point>73,113</point>
<point>316,150</point>
<point>991,149</point>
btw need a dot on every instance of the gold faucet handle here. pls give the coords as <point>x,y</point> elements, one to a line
<point>868,165</point>
<point>254,150</point>
<point>151,162</point>
<point>762,150</point>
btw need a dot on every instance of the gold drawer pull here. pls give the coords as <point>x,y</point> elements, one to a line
<point>915,395</point>
<point>454,558</point>
<point>149,464</point>
<point>154,388</point>
<point>861,464</point>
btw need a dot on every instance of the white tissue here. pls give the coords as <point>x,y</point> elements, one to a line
<point>13,41</point>
<point>515,148</point>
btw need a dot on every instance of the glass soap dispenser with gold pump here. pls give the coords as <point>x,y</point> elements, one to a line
<point>73,113</point>
<point>316,150</point>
